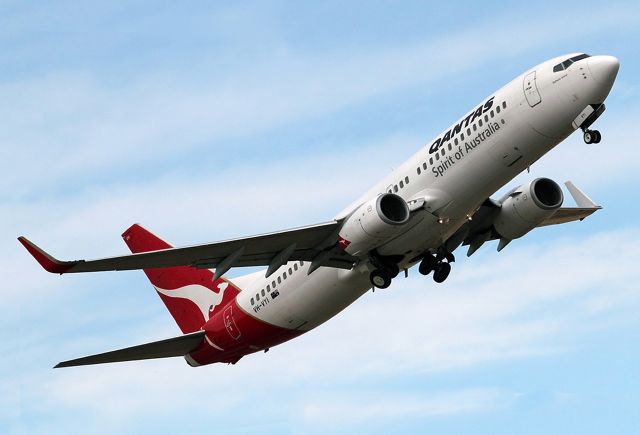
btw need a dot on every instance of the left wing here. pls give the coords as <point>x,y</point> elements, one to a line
<point>315,243</point>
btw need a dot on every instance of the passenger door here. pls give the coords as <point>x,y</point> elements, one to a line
<point>531,89</point>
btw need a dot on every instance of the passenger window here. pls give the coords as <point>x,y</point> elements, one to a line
<point>257,297</point>
<point>424,166</point>
<point>418,170</point>
<point>284,275</point>
<point>474,127</point>
<point>295,266</point>
<point>279,280</point>
<point>262,292</point>
<point>450,147</point>
<point>468,132</point>
<point>302,263</point>
<point>406,179</point>
<point>491,113</point>
<point>437,156</point>
<point>461,136</point>
<point>290,272</point>
<point>442,152</point>
<point>431,161</point>
<point>486,118</point>
<point>395,187</point>
<point>480,122</point>
<point>273,284</point>
<point>268,287</point>
<point>252,301</point>
<point>504,104</point>
<point>455,141</point>
<point>401,184</point>
<point>497,109</point>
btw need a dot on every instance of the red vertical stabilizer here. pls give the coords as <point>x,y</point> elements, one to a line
<point>190,294</point>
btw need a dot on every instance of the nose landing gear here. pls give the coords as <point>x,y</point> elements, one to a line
<point>594,112</point>
<point>591,136</point>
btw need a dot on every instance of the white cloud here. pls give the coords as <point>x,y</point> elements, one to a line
<point>364,408</point>
<point>68,125</point>
<point>535,300</point>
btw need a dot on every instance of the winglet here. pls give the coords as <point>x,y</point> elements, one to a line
<point>581,199</point>
<point>49,263</point>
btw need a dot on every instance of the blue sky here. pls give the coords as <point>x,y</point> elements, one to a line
<point>204,122</point>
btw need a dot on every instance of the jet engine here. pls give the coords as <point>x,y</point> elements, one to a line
<point>526,207</point>
<point>373,223</point>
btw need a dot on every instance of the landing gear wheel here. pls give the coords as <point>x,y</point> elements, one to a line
<point>597,137</point>
<point>441,272</point>
<point>380,278</point>
<point>588,137</point>
<point>427,265</point>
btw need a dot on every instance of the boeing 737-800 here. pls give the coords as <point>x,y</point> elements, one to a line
<point>419,214</point>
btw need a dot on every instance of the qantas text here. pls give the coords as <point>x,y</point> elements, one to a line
<point>462,124</point>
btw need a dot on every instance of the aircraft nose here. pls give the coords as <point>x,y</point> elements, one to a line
<point>604,69</point>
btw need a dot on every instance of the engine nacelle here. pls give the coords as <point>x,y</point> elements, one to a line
<point>527,206</point>
<point>373,223</point>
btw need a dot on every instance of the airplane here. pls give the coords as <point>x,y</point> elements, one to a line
<point>419,214</point>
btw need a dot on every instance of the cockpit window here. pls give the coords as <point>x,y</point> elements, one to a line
<point>564,65</point>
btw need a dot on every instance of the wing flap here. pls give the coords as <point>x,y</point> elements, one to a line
<point>171,347</point>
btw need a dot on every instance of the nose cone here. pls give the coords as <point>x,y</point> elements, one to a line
<point>604,69</point>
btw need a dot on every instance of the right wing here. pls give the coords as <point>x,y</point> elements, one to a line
<point>481,230</point>
<point>586,207</point>
<point>315,243</point>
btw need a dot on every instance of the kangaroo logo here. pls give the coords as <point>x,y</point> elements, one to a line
<point>204,298</point>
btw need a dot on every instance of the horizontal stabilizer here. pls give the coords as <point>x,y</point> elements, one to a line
<point>177,346</point>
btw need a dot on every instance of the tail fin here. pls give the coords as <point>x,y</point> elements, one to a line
<point>191,295</point>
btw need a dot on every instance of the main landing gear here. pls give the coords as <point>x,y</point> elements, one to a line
<point>380,278</point>
<point>591,136</point>
<point>383,273</point>
<point>437,264</point>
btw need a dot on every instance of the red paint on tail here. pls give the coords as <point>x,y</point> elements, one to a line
<point>190,294</point>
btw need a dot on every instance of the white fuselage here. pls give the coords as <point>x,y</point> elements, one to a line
<point>517,125</point>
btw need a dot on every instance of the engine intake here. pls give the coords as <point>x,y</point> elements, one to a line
<point>373,223</point>
<point>527,206</point>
